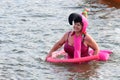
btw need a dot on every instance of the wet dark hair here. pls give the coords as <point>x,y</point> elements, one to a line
<point>78,19</point>
<point>75,17</point>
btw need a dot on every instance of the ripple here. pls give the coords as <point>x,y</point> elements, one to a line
<point>6,41</point>
<point>28,29</point>
<point>17,51</point>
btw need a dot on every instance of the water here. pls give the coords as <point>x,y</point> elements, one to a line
<point>29,28</point>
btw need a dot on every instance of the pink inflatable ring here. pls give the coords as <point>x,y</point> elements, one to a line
<point>102,56</point>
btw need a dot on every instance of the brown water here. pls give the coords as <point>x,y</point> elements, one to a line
<point>29,28</point>
<point>111,3</point>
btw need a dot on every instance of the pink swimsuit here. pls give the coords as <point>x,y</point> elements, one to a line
<point>70,49</point>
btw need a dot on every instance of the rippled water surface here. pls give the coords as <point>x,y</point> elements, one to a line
<point>29,28</point>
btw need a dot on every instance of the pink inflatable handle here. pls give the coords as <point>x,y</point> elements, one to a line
<point>103,54</point>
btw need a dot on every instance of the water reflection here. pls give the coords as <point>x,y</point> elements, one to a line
<point>84,71</point>
<point>78,71</point>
